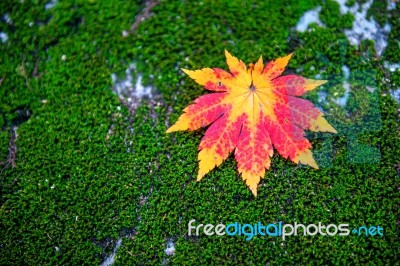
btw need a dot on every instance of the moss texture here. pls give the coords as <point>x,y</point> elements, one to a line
<point>88,172</point>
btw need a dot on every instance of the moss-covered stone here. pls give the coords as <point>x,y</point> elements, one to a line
<point>88,172</point>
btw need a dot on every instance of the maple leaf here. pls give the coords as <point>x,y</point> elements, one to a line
<point>253,110</point>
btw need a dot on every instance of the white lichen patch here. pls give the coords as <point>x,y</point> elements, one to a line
<point>321,96</point>
<point>127,88</point>
<point>7,19</point>
<point>346,85</point>
<point>346,72</point>
<point>311,16</point>
<point>170,249</point>
<point>391,67</point>
<point>365,28</point>
<point>343,100</point>
<point>50,4</point>
<point>110,259</point>
<point>391,5</point>
<point>3,37</point>
<point>396,94</point>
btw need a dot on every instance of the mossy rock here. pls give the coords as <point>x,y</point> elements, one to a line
<point>90,172</point>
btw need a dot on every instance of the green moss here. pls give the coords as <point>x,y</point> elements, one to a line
<point>391,52</point>
<point>88,172</point>
<point>331,17</point>
<point>378,10</point>
<point>350,3</point>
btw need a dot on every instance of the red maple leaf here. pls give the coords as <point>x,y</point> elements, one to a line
<point>254,110</point>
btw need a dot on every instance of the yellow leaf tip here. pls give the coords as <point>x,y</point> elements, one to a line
<point>186,71</point>
<point>320,124</point>
<point>322,81</point>
<point>254,191</point>
<point>287,57</point>
<point>200,176</point>
<point>176,127</point>
<point>252,180</point>
<point>306,158</point>
<point>227,54</point>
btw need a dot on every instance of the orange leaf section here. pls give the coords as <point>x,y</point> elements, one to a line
<point>254,111</point>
